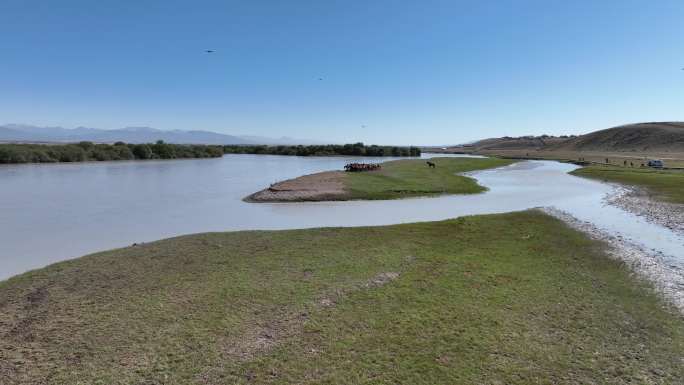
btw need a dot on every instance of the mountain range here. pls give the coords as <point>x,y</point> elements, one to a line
<point>28,133</point>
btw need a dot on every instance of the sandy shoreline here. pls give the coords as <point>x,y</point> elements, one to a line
<point>322,186</point>
<point>648,264</point>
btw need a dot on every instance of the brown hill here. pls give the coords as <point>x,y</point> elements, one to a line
<point>528,143</point>
<point>523,142</point>
<point>652,137</point>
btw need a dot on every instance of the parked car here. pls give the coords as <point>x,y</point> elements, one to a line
<point>655,163</point>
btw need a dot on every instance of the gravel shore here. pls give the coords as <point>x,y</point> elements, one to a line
<point>648,264</point>
<point>640,202</point>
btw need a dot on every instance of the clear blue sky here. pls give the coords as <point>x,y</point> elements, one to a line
<point>419,72</point>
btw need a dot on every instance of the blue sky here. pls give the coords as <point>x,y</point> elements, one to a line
<point>420,72</point>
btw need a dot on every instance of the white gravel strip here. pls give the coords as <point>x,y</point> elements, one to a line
<point>639,202</point>
<point>668,281</point>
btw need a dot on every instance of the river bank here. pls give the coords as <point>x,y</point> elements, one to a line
<point>394,180</point>
<point>663,185</point>
<point>656,195</point>
<point>513,298</point>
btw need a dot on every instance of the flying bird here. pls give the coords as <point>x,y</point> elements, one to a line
<point>209,51</point>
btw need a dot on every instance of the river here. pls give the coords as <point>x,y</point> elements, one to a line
<point>53,212</point>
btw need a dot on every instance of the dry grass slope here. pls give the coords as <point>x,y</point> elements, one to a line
<point>642,137</point>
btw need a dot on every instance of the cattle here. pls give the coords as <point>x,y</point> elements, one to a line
<point>358,167</point>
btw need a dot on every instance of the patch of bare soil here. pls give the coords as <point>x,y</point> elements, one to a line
<point>639,201</point>
<point>648,264</point>
<point>322,186</point>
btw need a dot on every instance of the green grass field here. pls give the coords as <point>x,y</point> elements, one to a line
<point>410,178</point>
<point>503,299</point>
<point>667,185</point>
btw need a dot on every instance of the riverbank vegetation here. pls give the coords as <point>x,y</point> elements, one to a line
<point>515,298</point>
<point>88,151</point>
<point>356,149</point>
<point>667,185</point>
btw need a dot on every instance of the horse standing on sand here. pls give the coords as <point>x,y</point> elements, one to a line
<point>430,164</point>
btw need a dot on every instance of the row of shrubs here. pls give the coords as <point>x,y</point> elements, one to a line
<point>358,149</point>
<point>88,151</point>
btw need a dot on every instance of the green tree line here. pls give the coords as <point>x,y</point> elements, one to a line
<point>88,151</point>
<point>358,149</point>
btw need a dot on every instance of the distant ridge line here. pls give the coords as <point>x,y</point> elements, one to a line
<point>28,133</point>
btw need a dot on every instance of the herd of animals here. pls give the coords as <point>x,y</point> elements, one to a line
<point>357,167</point>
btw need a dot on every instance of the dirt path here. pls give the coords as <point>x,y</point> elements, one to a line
<point>322,186</point>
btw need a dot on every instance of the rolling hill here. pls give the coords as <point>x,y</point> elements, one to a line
<point>517,143</point>
<point>652,137</point>
<point>506,143</point>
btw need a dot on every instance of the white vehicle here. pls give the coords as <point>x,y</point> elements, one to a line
<point>655,163</point>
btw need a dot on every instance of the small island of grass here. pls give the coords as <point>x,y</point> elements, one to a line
<point>396,179</point>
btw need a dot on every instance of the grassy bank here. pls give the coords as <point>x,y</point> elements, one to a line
<point>408,178</point>
<point>664,184</point>
<point>516,298</point>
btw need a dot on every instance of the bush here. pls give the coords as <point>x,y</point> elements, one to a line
<point>358,149</point>
<point>88,151</point>
<point>142,151</point>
